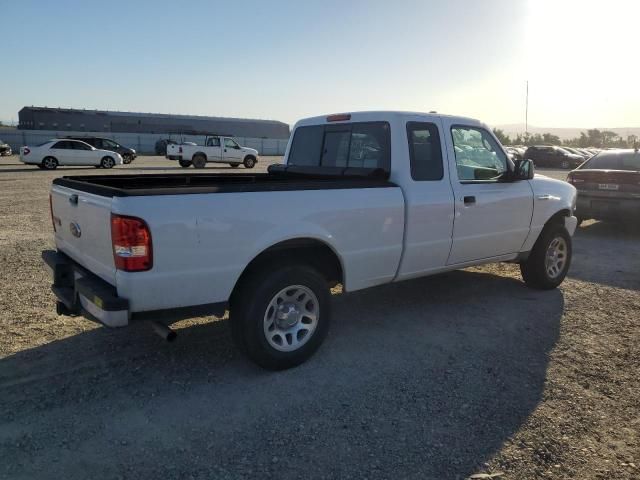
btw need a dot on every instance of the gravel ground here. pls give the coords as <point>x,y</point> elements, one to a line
<point>439,378</point>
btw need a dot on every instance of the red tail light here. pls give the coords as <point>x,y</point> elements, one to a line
<point>53,222</point>
<point>131,240</point>
<point>26,151</point>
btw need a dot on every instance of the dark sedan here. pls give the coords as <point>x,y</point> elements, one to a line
<point>608,186</point>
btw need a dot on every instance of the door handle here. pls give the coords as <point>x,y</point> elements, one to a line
<point>470,200</point>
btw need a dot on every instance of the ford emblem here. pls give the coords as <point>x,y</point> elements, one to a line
<point>75,229</point>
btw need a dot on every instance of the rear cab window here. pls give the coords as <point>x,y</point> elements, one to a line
<point>425,153</point>
<point>358,144</point>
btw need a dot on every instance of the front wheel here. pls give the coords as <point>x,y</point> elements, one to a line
<point>234,165</point>
<point>280,317</point>
<point>550,259</point>
<point>127,159</point>
<point>107,162</point>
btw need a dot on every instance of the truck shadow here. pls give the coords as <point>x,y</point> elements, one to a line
<point>423,379</point>
<point>607,253</point>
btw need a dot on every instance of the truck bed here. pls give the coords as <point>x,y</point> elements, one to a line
<point>279,178</point>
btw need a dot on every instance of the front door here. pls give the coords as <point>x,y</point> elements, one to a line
<point>213,149</point>
<point>231,151</point>
<point>492,216</point>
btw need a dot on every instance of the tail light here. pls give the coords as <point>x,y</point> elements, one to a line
<point>131,240</point>
<point>26,151</point>
<point>179,149</point>
<point>53,222</point>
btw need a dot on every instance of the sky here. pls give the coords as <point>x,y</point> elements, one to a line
<point>288,59</point>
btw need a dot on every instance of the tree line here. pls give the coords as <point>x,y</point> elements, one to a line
<point>591,138</point>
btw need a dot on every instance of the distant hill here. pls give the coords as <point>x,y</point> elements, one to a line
<point>564,133</point>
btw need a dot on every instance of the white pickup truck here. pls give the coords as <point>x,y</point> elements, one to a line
<point>362,199</point>
<point>216,149</point>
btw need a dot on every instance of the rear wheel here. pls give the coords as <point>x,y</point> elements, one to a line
<point>249,162</point>
<point>280,317</point>
<point>550,259</point>
<point>107,162</point>
<point>234,165</point>
<point>184,163</point>
<point>49,163</point>
<point>199,161</point>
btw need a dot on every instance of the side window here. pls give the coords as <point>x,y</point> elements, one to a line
<point>306,146</point>
<point>424,151</point>
<point>80,146</point>
<point>61,145</point>
<point>365,144</point>
<point>213,142</point>
<point>230,143</point>
<point>478,156</point>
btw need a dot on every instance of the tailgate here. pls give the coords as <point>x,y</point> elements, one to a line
<point>83,229</point>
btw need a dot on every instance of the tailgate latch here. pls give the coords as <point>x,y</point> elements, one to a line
<point>73,199</point>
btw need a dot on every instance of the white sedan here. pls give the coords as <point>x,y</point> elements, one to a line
<point>68,152</point>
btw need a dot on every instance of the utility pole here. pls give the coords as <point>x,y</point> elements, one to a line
<point>526,112</point>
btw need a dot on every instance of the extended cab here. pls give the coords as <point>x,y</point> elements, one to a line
<point>362,199</point>
<point>217,149</point>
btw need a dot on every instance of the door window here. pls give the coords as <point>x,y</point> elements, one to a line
<point>478,155</point>
<point>64,145</point>
<point>424,151</point>
<point>230,143</point>
<point>213,142</point>
<point>80,146</point>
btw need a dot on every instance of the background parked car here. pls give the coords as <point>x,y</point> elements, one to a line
<point>608,186</point>
<point>68,152</point>
<point>514,153</point>
<point>128,154</point>
<point>577,152</point>
<point>5,149</point>
<point>555,157</point>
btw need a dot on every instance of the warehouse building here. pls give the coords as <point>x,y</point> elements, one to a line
<point>69,119</point>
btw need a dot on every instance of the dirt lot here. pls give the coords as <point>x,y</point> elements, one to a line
<point>439,378</point>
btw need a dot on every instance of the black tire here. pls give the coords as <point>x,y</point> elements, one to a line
<point>199,161</point>
<point>49,163</point>
<point>127,159</point>
<point>535,270</point>
<point>250,305</point>
<point>234,165</point>
<point>184,163</point>
<point>249,162</point>
<point>107,162</point>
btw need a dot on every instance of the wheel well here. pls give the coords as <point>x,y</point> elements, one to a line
<point>199,153</point>
<point>307,251</point>
<point>250,156</point>
<point>558,217</point>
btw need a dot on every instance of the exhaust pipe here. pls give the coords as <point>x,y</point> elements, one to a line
<point>165,332</point>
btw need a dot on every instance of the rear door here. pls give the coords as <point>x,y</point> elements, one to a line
<point>63,152</point>
<point>83,229</point>
<point>492,217</point>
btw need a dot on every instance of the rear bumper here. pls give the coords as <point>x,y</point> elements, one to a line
<point>606,207</point>
<point>80,292</point>
<point>83,293</point>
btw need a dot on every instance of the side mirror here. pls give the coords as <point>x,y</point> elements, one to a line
<point>523,169</point>
<point>237,147</point>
